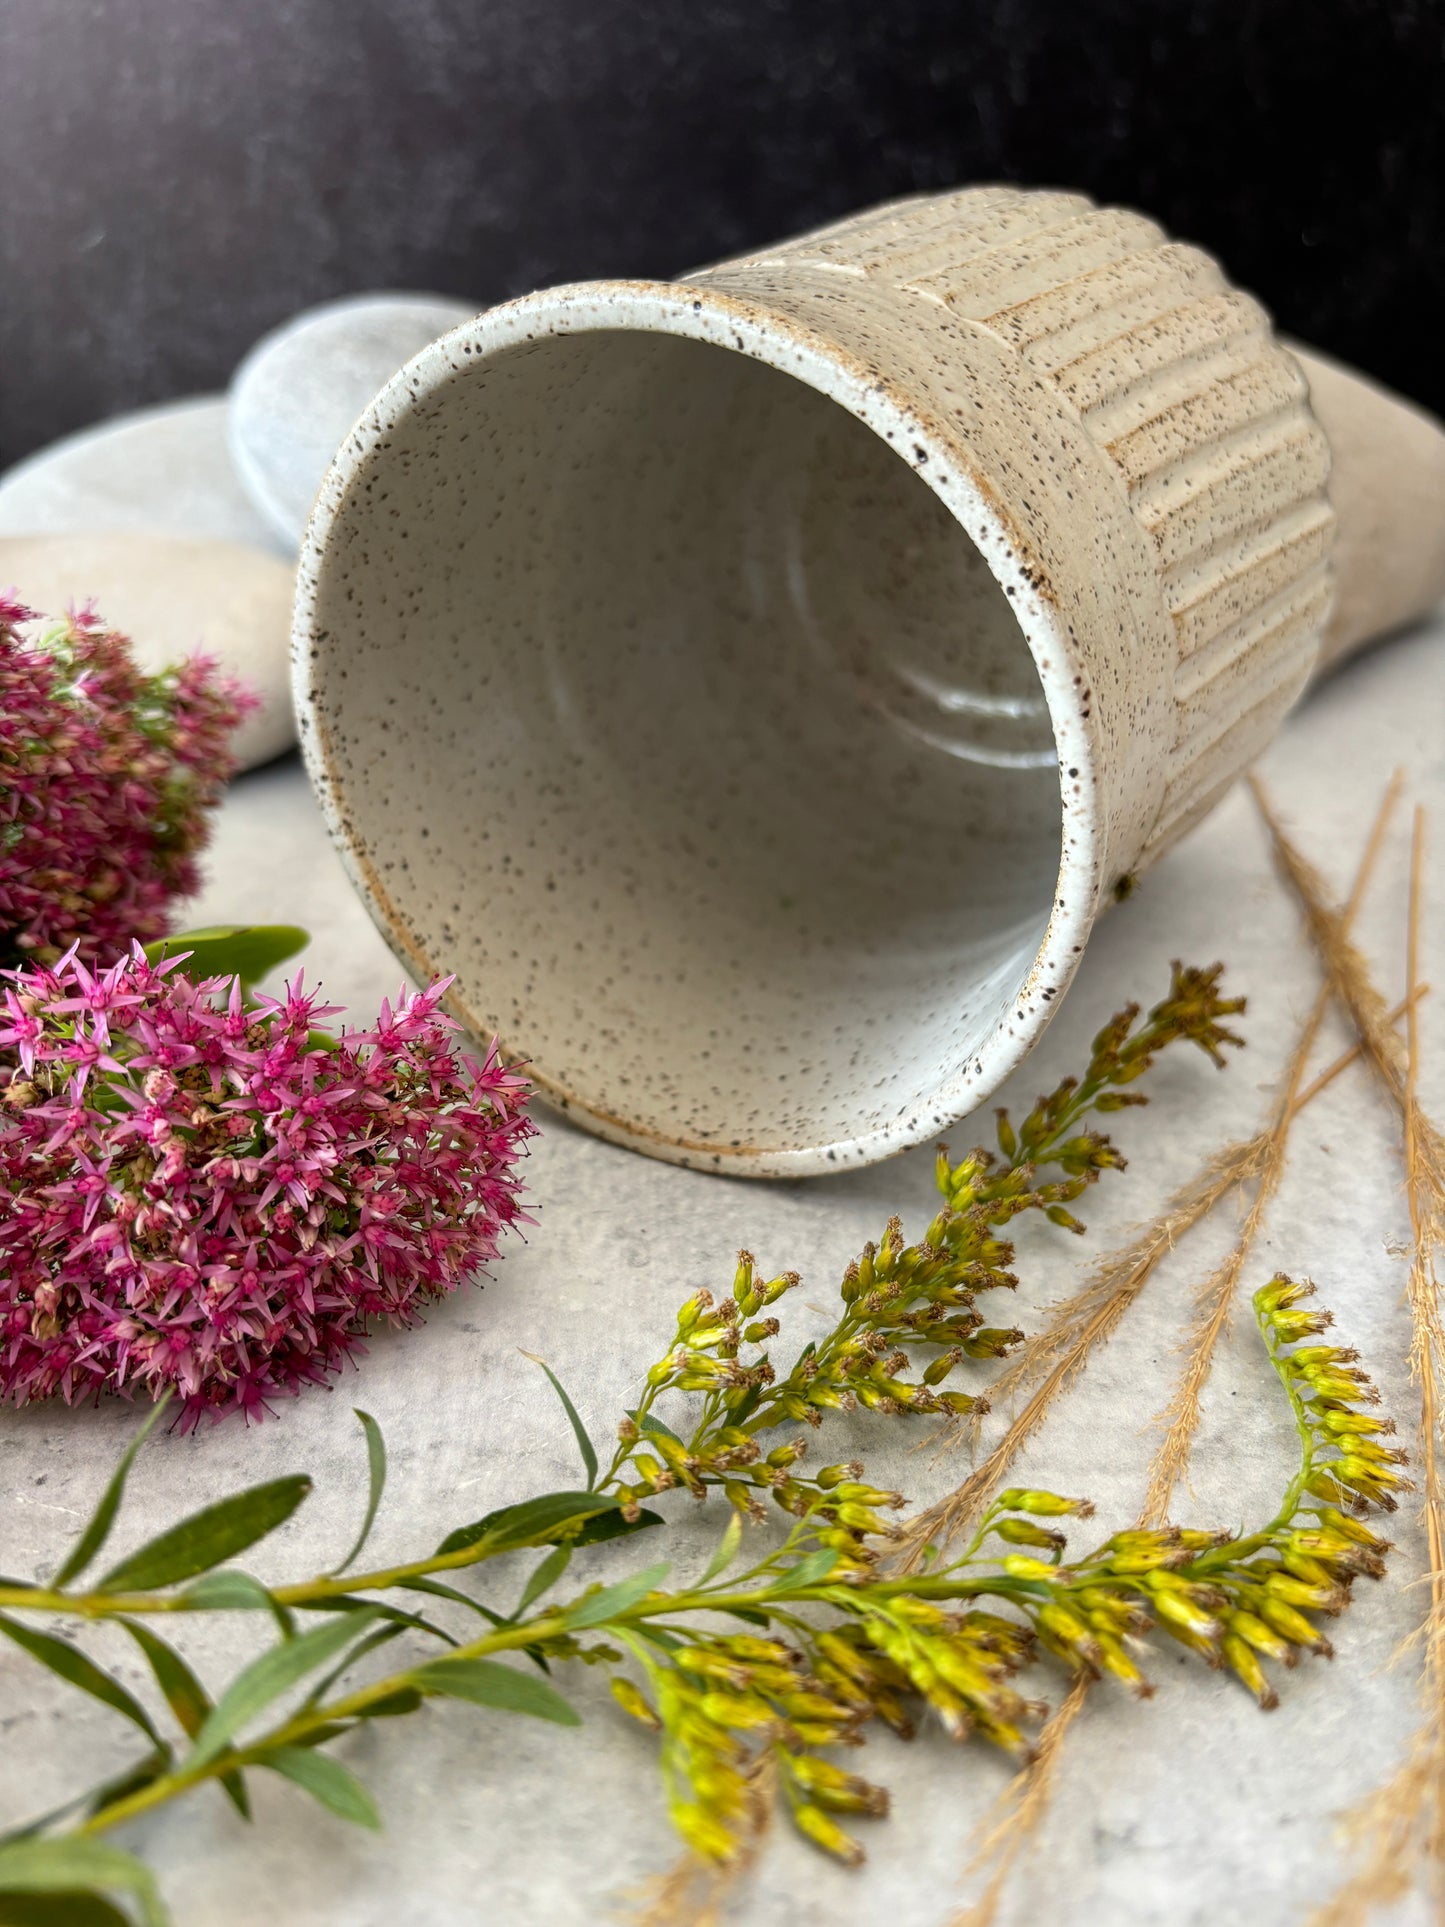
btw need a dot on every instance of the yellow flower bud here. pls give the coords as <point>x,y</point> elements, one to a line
<point>827,1834</point>
<point>1242,1660</point>
<point>1043,1504</point>
<point>1018,1532</point>
<point>632,1701</point>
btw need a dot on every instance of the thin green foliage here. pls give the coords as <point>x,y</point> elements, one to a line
<point>835,1637</point>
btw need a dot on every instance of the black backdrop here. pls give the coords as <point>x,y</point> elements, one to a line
<point>178,175</point>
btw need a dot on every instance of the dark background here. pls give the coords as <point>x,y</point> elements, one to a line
<point>176,176</point>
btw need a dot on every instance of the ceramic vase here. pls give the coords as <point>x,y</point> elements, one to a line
<point>753,688</point>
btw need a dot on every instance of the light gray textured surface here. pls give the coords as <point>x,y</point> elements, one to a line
<point>1192,1808</point>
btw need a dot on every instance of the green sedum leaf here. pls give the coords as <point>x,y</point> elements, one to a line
<point>97,1531</point>
<point>215,1533</point>
<point>376,1471</point>
<point>328,1781</point>
<point>486,1682</point>
<point>245,950</point>
<point>267,1678</point>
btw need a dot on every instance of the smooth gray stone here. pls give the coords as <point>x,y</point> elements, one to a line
<point>301,388</point>
<point>166,470</point>
<point>176,597</point>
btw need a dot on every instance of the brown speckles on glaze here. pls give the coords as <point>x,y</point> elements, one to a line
<point>691,665</point>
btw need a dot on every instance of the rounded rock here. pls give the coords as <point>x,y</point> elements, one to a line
<point>164,470</point>
<point>175,597</point>
<point>302,387</point>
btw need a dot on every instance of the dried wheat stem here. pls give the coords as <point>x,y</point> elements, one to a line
<point>1234,1165</point>
<point>1427,1355</point>
<point>1214,1299</point>
<point>1351,980</point>
<point>1357,1050</point>
<point>1054,1355</point>
<point>1404,1820</point>
<point>1062,1348</point>
<point>1385,1828</point>
<point>1018,1810</point>
<point>1085,1321</point>
<point>694,1892</point>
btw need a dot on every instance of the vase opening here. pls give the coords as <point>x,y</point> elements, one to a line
<point>662,700</point>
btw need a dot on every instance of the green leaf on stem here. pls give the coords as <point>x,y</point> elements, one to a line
<point>544,1577</point>
<point>73,1866</point>
<point>245,950</point>
<point>376,1470</point>
<point>613,1525</point>
<point>353,1603</point>
<point>61,1910</point>
<point>727,1549</point>
<point>645,1422</point>
<point>327,1781</point>
<point>405,1700</point>
<point>215,1533</point>
<point>71,1665</point>
<point>439,1591</point>
<point>378,1636</point>
<point>229,1591</point>
<point>810,1571</point>
<point>122,1785</point>
<point>486,1682</point>
<point>266,1679</point>
<point>595,1607</point>
<point>534,1522</point>
<point>579,1430</point>
<point>186,1697</point>
<point>103,1518</point>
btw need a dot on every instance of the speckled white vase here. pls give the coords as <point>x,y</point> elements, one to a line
<point>753,688</point>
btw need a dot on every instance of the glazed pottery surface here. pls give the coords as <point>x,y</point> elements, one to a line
<point>752,688</point>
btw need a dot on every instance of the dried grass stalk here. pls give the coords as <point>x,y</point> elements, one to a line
<point>1214,1300</point>
<point>1058,1352</point>
<point>1018,1811</point>
<point>695,1892</point>
<point>1351,980</point>
<point>1402,1825</point>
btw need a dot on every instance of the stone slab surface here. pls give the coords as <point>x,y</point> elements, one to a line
<point>1193,1808</point>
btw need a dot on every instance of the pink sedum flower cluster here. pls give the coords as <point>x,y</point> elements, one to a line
<point>106,776</point>
<point>213,1196</point>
